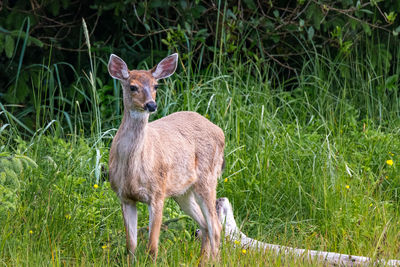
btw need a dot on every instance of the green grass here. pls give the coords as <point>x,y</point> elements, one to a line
<point>306,167</point>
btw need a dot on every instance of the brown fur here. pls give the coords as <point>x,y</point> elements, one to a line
<point>179,156</point>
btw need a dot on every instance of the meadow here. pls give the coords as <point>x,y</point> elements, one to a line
<point>315,167</point>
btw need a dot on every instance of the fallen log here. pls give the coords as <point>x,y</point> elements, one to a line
<point>232,232</point>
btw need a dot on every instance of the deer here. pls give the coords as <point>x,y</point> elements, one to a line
<point>179,156</point>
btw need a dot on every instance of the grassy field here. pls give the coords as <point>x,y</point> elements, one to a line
<point>315,167</point>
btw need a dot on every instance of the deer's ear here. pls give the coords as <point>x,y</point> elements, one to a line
<point>117,68</point>
<point>166,67</point>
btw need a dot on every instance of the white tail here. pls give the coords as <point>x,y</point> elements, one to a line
<point>179,156</point>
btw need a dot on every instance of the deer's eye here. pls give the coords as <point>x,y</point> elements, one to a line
<point>156,87</point>
<point>134,88</point>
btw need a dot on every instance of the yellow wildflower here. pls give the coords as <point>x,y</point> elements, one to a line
<point>104,246</point>
<point>237,242</point>
<point>226,180</point>
<point>68,216</point>
<point>95,186</point>
<point>389,162</point>
<point>347,186</point>
<point>30,232</point>
<point>244,251</point>
<point>370,205</point>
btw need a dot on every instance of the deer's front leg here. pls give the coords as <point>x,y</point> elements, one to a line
<point>130,219</point>
<point>155,220</point>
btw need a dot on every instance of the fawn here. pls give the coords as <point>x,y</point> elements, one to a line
<point>179,156</point>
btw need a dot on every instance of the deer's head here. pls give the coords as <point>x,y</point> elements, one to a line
<point>140,86</point>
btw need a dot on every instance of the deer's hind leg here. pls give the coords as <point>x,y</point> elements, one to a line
<point>190,206</point>
<point>206,199</point>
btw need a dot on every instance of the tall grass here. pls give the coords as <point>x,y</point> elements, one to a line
<point>306,167</point>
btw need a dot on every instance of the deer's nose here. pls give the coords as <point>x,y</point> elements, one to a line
<point>151,106</point>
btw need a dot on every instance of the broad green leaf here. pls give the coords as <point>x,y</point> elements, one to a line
<point>310,33</point>
<point>230,14</point>
<point>198,10</point>
<point>183,4</point>
<point>275,38</point>
<point>188,28</point>
<point>395,31</point>
<point>366,28</point>
<point>9,46</point>
<point>315,14</point>
<point>55,7</point>
<point>65,4</point>
<point>250,4</point>
<point>390,17</point>
<point>367,11</point>
<point>391,81</point>
<point>156,4</point>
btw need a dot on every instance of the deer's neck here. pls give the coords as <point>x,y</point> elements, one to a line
<point>127,147</point>
<point>133,132</point>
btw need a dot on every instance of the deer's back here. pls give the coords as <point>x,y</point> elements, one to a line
<point>189,126</point>
<point>190,147</point>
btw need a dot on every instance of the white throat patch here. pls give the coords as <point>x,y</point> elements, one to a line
<point>135,114</point>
